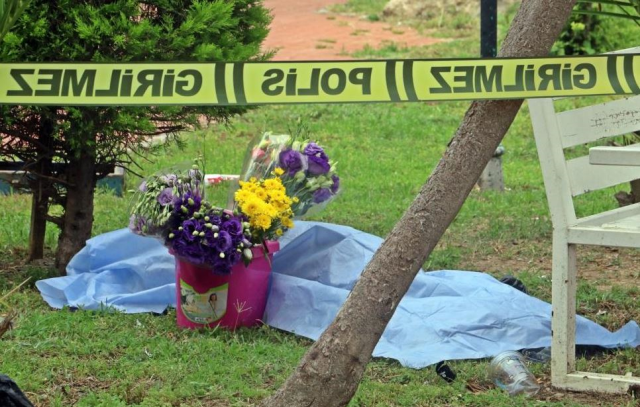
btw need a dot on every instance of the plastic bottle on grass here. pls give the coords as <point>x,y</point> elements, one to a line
<point>509,372</point>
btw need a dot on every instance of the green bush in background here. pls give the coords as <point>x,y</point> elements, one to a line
<point>90,140</point>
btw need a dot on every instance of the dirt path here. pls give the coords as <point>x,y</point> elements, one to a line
<point>306,30</point>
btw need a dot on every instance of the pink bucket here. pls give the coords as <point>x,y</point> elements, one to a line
<point>205,299</point>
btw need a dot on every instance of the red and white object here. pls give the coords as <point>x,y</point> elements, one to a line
<point>213,179</point>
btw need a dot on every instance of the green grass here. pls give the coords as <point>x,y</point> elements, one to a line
<point>366,7</point>
<point>436,21</point>
<point>385,153</point>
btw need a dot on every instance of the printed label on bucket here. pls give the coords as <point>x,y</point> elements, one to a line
<point>204,308</point>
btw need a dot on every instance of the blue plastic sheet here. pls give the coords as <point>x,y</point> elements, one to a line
<point>119,270</point>
<point>445,315</point>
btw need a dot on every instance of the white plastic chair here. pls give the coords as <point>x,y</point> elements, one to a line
<point>564,179</point>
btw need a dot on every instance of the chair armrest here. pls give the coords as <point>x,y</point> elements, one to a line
<point>626,156</point>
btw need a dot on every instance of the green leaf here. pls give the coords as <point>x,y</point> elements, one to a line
<point>611,2</point>
<point>10,11</point>
<point>607,13</point>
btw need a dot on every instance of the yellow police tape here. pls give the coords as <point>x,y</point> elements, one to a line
<point>255,83</point>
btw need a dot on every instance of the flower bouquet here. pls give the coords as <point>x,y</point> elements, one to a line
<point>305,170</point>
<point>267,206</point>
<point>221,275</point>
<point>223,256</point>
<point>171,207</point>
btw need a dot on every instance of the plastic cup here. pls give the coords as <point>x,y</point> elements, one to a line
<point>509,372</point>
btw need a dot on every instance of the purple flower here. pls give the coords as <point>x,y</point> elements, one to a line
<point>221,266</point>
<point>166,197</point>
<point>188,227</point>
<point>191,201</point>
<point>235,257</point>
<point>318,165</point>
<point>292,161</point>
<point>177,246</point>
<point>313,149</point>
<point>169,179</point>
<point>201,245</point>
<point>318,160</point>
<point>194,253</point>
<point>190,250</point>
<point>336,183</point>
<point>321,195</point>
<point>195,174</point>
<point>136,224</point>
<point>223,242</point>
<point>233,226</point>
<point>215,219</point>
<point>143,186</point>
<point>132,223</point>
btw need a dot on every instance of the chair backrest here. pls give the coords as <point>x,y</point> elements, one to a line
<point>556,131</point>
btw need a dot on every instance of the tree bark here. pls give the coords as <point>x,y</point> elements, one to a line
<point>38,227</point>
<point>78,209</point>
<point>625,198</point>
<point>635,190</point>
<point>329,373</point>
<point>41,191</point>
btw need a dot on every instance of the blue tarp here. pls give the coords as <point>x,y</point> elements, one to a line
<point>445,315</point>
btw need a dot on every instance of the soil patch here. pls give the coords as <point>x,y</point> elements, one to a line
<point>602,266</point>
<point>307,30</point>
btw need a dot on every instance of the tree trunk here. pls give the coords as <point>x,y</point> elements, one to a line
<point>629,198</point>
<point>635,190</point>
<point>41,190</point>
<point>38,227</point>
<point>78,209</point>
<point>329,373</point>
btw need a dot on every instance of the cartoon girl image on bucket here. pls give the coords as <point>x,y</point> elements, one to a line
<point>203,308</point>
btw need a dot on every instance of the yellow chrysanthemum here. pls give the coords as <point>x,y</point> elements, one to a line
<point>249,187</point>
<point>271,211</point>
<point>272,184</point>
<point>242,195</point>
<point>295,199</point>
<point>278,171</point>
<point>280,206</point>
<point>287,222</point>
<point>251,207</point>
<point>276,195</point>
<point>279,232</point>
<point>261,221</point>
<point>261,193</point>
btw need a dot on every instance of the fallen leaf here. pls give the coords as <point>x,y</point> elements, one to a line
<point>475,386</point>
<point>6,323</point>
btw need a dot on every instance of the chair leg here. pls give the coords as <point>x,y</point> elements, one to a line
<point>563,321</point>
